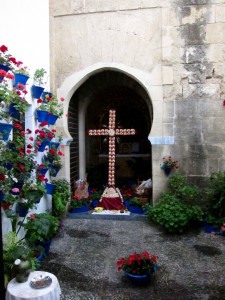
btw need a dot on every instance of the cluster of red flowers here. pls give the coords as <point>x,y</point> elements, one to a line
<point>126,192</point>
<point>44,134</point>
<point>169,163</point>
<point>138,263</point>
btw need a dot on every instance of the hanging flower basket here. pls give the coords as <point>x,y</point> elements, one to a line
<point>54,171</point>
<point>43,171</point>
<point>13,112</point>
<point>42,115</point>
<point>46,94</point>
<point>4,68</point>
<point>43,145</point>
<point>20,78</point>
<point>50,188</point>
<point>5,130</point>
<point>54,145</point>
<point>36,91</point>
<point>52,119</point>
<point>22,210</point>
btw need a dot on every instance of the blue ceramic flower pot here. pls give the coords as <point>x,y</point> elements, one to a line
<point>81,209</point>
<point>140,279</point>
<point>36,91</point>
<point>50,188</point>
<point>44,94</point>
<point>43,145</point>
<point>54,145</point>
<point>5,68</point>
<point>5,130</point>
<point>42,115</point>
<point>54,171</point>
<point>20,78</point>
<point>52,119</point>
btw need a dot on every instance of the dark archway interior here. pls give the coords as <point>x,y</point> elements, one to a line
<point>113,90</point>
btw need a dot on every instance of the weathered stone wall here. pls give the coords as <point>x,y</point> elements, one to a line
<point>179,46</point>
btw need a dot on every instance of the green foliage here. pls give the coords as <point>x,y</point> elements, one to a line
<point>215,195</point>
<point>60,197</point>
<point>39,76</point>
<point>137,202</point>
<point>16,249</point>
<point>176,208</point>
<point>40,227</point>
<point>172,214</point>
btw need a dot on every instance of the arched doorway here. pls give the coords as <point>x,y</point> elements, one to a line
<point>91,102</point>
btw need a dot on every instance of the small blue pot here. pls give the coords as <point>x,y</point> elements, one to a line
<point>42,115</point>
<point>50,188</point>
<point>20,78</point>
<point>81,209</point>
<point>36,91</point>
<point>5,130</point>
<point>43,145</point>
<point>52,119</point>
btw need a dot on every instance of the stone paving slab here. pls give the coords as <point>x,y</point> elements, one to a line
<point>190,266</point>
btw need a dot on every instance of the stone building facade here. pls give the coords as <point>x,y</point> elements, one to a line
<point>167,55</point>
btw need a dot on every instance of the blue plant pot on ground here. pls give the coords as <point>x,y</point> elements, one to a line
<point>94,203</point>
<point>210,228</point>
<point>133,209</point>
<point>46,245</point>
<point>81,209</point>
<point>20,78</point>
<point>5,130</point>
<point>36,91</point>
<point>139,279</point>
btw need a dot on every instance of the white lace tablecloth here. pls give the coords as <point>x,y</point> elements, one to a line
<point>23,291</point>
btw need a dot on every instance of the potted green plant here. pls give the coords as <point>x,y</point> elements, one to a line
<point>139,267</point>
<point>40,229</point>
<point>38,78</point>
<point>13,249</point>
<point>79,204</point>
<point>60,197</point>
<point>136,205</point>
<point>33,189</point>
<point>21,74</point>
<point>54,157</point>
<point>43,137</point>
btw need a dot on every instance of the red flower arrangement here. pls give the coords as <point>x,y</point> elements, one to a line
<point>169,163</point>
<point>138,263</point>
<point>43,134</point>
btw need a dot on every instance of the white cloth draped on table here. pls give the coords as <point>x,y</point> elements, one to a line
<point>23,291</point>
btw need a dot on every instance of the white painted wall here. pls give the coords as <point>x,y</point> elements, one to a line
<point>25,31</point>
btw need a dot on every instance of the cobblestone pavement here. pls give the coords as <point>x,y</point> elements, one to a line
<point>190,266</point>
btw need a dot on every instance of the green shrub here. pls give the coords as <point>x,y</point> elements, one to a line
<point>172,214</point>
<point>60,197</point>
<point>215,195</point>
<point>176,209</point>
